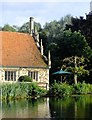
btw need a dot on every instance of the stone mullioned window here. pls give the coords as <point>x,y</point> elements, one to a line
<point>33,75</point>
<point>10,75</point>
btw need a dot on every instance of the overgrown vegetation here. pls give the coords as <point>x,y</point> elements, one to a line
<point>64,89</point>
<point>32,90</point>
<point>82,88</point>
<point>21,90</point>
<point>60,90</point>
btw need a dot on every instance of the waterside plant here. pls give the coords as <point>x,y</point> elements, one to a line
<point>21,90</point>
<point>64,89</point>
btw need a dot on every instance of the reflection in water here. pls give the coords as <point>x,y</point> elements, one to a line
<point>26,109</point>
<point>71,107</point>
<point>62,108</point>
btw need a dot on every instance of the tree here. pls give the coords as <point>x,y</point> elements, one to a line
<point>25,28</point>
<point>66,20</point>
<point>77,65</point>
<point>55,27</point>
<point>84,25</point>
<point>51,31</point>
<point>16,27</point>
<point>73,44</point>
<point>7,27</point>
<point>68,44</point>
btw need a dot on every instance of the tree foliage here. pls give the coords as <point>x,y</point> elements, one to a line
<point>7,27</point>
<point>78,67</point>
<point>84,25</point>
<point>71,44</point>
<point>67,44</point>
<point>25,28</point>
<point>64,42</point>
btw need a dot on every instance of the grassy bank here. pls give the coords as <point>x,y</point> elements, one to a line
<point>21,90</point>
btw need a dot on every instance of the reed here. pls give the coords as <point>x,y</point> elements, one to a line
<point>21,90</point>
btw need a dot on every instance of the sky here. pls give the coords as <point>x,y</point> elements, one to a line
<point>18,12</point>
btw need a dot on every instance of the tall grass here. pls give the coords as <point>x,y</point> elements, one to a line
<point>21,90</point>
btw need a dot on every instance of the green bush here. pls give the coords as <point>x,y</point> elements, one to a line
<point>34,90</point>
<point>25,79</point>
<point>82,88</point>
<point>61,89</point>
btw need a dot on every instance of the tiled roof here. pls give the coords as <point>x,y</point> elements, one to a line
<point>19,49</point>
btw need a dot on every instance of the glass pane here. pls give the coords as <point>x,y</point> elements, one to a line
<point>14,75</point>
<point>8,75</point>
<point>5,75</point>
<point>11,75</point>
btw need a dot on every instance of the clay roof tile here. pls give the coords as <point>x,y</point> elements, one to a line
<point>19,49</point>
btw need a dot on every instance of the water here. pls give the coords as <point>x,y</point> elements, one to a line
<point>73,107</point>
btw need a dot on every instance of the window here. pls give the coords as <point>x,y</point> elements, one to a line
<point>10,75</point>
<point>33,75</point>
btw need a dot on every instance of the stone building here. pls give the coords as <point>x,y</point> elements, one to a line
<point>19,56</point>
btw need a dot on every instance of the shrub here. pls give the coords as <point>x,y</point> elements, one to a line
<point>25,79</point>
<point>82,88</point>
<point>35,90</point>
<point>61,89</point>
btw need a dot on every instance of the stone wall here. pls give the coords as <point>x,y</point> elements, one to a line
<point>43,75</point>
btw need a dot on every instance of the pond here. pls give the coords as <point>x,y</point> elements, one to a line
<point>70,107</point>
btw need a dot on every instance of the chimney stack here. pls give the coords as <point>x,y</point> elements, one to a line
<point>91,6</point>
<point>41,48</point>
<point>49,59</point>
<point>32,26</point>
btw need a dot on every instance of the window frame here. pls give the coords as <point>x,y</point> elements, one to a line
<point>10,75</point>
<point>33,74</point>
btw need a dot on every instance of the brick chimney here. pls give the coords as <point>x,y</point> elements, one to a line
<point>32,26</point>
